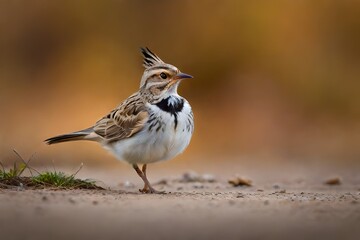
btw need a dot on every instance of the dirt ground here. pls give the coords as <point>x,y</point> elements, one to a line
<point>282,203</point>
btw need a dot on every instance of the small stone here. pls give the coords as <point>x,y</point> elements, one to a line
<point>282,191</point>
<point>266,202</point>
<point>240,195</point>
<point>128,184</point>
<point>162,182</point>
<point>95,202</point>
<point>333,181</point>
<point>20,187</point>
<point>260,190</point>
<point>238,181</point>
<point>190,176</point>
<point>208,178</point>
<point>44,198</point>
<point>198,185</point>
<point>72,201</point>
<point>275,186</point>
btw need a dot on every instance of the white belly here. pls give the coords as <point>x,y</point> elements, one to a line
<point>152,146</point>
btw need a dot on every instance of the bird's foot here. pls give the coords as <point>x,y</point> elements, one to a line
<point>151,191</point>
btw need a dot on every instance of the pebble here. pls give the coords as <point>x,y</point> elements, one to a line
<point>190,176</point>
<point>208,178</point>
<point>162,182</point>
<point>333,181</point>
<point>275,186</point>
<point>128,184</point>
<point>239,181</point>
<point>198,185</point>
<point>240,195</point>
<point>20,187</point>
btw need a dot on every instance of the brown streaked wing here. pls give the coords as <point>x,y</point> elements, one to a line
<point>123,122</point>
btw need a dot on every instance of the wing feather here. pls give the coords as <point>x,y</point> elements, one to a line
<point>124,121</point>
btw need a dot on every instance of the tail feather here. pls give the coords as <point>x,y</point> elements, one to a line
<point>75,136</point>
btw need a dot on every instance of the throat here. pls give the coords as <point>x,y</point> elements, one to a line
<point>172,105</point>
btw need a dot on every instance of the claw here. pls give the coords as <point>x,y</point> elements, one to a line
<point>144,190</point>
<point>147,187</point>
<point>151,191</point>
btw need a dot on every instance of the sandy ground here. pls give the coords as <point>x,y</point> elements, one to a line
<point>283,203</point>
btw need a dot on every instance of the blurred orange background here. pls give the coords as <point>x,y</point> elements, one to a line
<point>274,80</point>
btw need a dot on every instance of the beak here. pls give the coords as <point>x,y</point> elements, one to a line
<point>180,76</point>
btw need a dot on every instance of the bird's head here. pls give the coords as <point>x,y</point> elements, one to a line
<point>160,79</point>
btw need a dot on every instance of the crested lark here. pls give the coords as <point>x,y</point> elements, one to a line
<point>153,124</point>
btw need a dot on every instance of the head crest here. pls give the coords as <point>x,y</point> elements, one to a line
<point>150,58</point>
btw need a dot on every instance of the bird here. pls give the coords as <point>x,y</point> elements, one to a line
<point>153,124</point>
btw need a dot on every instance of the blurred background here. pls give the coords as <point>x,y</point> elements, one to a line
<point>275,81</point>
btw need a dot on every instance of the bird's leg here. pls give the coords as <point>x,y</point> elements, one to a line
<point>147,187</point>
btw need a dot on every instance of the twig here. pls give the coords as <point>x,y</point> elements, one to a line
<point>7,186</point>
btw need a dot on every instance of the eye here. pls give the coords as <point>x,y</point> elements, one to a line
<point>163,75</point>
